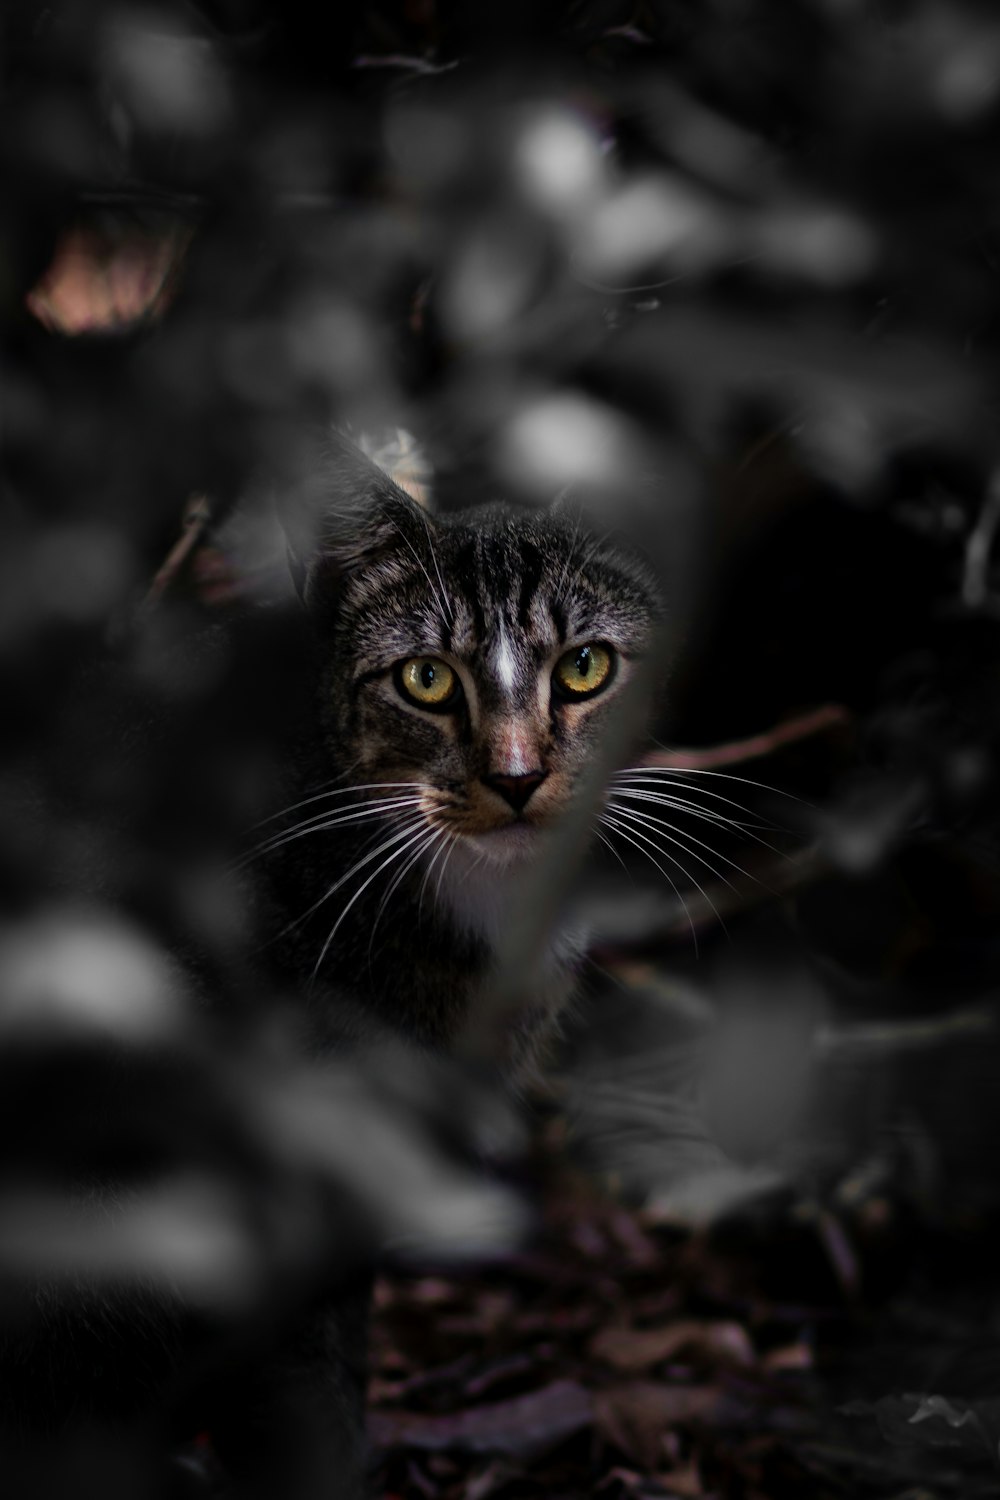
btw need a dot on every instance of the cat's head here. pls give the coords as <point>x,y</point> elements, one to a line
<point>475,657</point>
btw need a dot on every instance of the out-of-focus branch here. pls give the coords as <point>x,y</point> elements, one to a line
<point>979,549</point>
<point>768,742</point>
<point>197,515</point>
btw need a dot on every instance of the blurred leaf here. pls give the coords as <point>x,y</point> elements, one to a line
<point>635,1349</point>
<point>636,1418</point>
<point>524,1428</point>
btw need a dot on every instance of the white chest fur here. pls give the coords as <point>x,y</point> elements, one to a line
<point>483,892</point>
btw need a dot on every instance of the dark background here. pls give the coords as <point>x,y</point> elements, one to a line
<point>741,257</point>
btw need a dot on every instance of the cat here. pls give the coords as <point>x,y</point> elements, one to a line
<point>464,669</point>
<point>458,674</point>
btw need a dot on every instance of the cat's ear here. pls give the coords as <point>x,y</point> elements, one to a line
<point>343,513</point>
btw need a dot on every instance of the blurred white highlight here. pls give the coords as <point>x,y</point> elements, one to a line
<point>186,1234</point>
<point>490,280</point>
<point>565,439</point>
<point>644,220</point>
<point>823,244</point>
<point>85,973</point>
<point>168,80</point>
<point>558,163</point>
<point>423,1202</point>
<point>968,81</point>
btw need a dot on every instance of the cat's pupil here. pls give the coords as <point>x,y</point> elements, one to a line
<point>427,675</point>
<point>583,662</point>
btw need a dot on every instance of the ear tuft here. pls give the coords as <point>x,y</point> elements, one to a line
<point>343,512</point>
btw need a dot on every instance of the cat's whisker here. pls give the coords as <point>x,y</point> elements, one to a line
<point>681,840</point>
<point>315,794</point>
<point>411,823</point>
<point>611,822</point>
<point>325,821</point>
<point>609,845</point>
<point>368,786</point>
<point>637,832</point>
<point>761,786</point>
<point>745,830</point>
<point>430,867</point>
<point>396,854</point>
<point>444,865</point>
<point>439,598</point>
<point>682,804</point>
<point>433,835</point>
<point>334,815</point>
<point>652,776</point>
<point>450,613</point>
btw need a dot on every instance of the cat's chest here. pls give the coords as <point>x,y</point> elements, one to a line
<point>485,903</point>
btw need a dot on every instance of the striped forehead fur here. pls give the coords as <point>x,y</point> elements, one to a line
<point>500,586</point>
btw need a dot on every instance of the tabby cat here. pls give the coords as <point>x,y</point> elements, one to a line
<point>464,669</point>
<point>460,672</point>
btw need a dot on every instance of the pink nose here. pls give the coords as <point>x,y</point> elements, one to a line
<point>515,790</point>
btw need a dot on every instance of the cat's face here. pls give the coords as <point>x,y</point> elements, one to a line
<point>475,659</point>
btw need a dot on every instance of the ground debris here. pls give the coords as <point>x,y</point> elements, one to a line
<point>618,1357</point>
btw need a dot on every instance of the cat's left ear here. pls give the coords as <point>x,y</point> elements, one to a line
<point>345,513</point>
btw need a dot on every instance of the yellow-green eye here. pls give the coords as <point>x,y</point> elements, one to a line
<point>583,670</point>
<point>427,681</point>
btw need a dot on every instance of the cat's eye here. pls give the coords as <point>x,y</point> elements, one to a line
<point>428,682</point>
<point>583,670</point>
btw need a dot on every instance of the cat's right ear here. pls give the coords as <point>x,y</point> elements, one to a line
<point>341,514</point>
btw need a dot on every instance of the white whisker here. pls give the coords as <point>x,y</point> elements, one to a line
<point>408,827</point>
<point>644,820</point>
<point>623,832</point>
<point>369,786</point>
<point>609,845</point>
<point>650,776</point>
<point>420,564</point>
<point>675,861</point>
<point>433,835</point>
<point>360,809</point>
<point>325,821</point>
<point>745,830</point>
<point>444,865</point>
<point>427,873</point>
<point>416,838</point>
<point>761,786</point>
<point>668,799</point>
<point>450,615</point>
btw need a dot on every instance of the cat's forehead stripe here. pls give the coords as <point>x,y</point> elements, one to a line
<point>503,659</point>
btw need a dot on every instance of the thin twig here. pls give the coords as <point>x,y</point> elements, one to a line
<point>197,515</point>
<point>818,721</point>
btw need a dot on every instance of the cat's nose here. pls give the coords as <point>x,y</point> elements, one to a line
<point>516,790</point>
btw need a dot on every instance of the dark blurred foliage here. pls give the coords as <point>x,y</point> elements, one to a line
<point>740,259</point>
